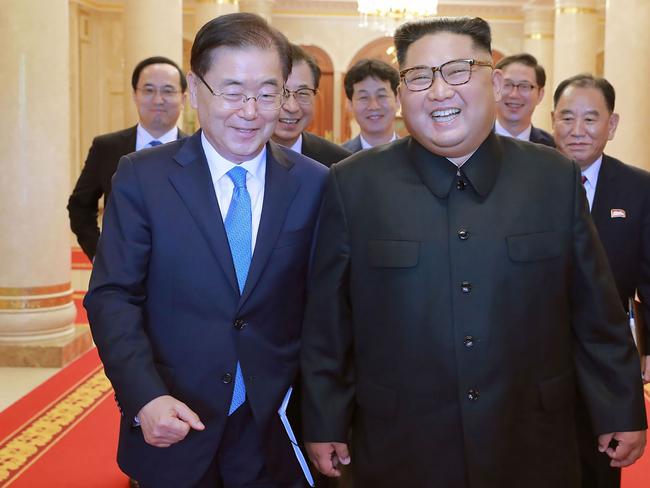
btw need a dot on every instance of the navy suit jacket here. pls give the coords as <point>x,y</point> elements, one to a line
<point>353,145</point>
<point>540,136</point>
<point>626,239</point>
<point>322,150</point>
<point>166,313</point>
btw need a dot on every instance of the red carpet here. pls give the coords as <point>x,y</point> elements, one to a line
<point>64,433</point>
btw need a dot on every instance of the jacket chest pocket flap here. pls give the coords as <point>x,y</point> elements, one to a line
<point>393,254</point>
<point>533,247</point>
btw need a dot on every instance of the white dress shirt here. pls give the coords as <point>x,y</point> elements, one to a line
<point>522,136</point>
<point>223,185</point>
<point>143,138</point>
<point>366,145</point>
<point>297,146</point>
<point>592,179</point>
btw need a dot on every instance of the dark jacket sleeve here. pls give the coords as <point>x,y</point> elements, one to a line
<point>606,360</point>
<point>83,205</point>
<point>117,293</point>
<point>326,350</point>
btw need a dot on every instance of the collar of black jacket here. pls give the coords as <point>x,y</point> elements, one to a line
<point>438,173</point>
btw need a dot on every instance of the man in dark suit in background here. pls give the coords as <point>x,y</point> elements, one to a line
<point>198,288</point>
<point>159,87</point>
<point>619,199</point>
<point>297,112</point>
<point>371,89</point>
<point>523,90</point>
<point>460,295</point>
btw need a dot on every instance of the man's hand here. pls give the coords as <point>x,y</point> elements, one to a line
<point>645,369</point>
<point>165,421</point>
<point>629,449</point>
<point>326,456</point>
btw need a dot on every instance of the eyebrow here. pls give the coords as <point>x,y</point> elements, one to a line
<point>230,82</point>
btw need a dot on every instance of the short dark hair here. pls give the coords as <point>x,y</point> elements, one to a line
<point>527,60</point>
<point>474,27</point>
<point>238,30</point>
<point>135,77</point>
<point>299,55</point>
<point>586,80</point>
<point>370,68</point>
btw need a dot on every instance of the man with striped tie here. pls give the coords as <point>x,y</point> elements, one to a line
<point>197,293</point>
<point>159,87</point>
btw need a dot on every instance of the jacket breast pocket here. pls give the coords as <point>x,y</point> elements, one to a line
<point>533,247</point>
<point>393,254</point>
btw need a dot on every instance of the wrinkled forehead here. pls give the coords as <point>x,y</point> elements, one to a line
<point>582,99</point>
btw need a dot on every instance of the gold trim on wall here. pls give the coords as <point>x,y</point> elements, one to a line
<point>35,290</point>
<point>576,10</point>
<point>538,36</point>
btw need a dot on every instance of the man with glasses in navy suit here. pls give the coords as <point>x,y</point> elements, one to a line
<point>198,288</point>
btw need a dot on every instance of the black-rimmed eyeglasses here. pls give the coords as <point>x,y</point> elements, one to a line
<point>455,72</point>
<point>303,96</point>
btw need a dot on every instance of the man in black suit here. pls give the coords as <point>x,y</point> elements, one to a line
<point>198,288</point>
<point>619,199</point>
<point>459,295</point>
<point>371,89</point>
<point>159,95</point>
<point>297,112</point>
<point>523,90</point>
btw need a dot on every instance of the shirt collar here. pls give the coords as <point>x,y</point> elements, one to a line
<point>297,146</point>
<point>522,136</point>
<point>219,165</point>
<point>366,145</point>
<point>143,137</point>
<point>592,171</point>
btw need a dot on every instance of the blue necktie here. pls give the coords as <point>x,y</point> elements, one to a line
<point>238,225</point>
<point>155,143</point>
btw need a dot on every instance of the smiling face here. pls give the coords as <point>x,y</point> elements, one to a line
<point>451,121</point>
<point>374,106</point>
<point>582,124</point>
<point>158,113</point>
<point>294,117</point>
<point>237,134</point>
<point>516,107</point>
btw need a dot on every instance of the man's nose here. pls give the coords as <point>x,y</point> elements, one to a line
<point>439,89</point>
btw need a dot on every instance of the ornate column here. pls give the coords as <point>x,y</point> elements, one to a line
<point>627,68</point>
<point>576,38</point>
<point>259,7</point>
<point>206,10</point>
<point>539,28</point>
<point>151,28</point>
<point>36,308</point>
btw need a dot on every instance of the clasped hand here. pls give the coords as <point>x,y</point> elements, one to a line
<point>166,421</point>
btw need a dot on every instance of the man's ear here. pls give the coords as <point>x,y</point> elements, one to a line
<point>192,88</point>
<point>497,84</point>
<point>540,97</point>
<point>612,125</point>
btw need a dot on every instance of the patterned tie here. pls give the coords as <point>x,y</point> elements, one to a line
<point>155,143</point>
<point>238,225</point>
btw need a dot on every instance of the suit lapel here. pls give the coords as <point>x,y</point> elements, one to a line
<point>604,194</point>
<point>130,138</point>
<point>280,189</point>
<point>193,182</point>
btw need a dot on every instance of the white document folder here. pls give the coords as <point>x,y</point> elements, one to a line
<point>282,411</point>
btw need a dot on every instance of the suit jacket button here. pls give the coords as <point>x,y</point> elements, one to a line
<point>463,235</point>
<point>226,378</point>
<point>460,183</point>
<point>468,342</point>
<point>472,395</point>
<point>466,287</point>
<point>239,324</point>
